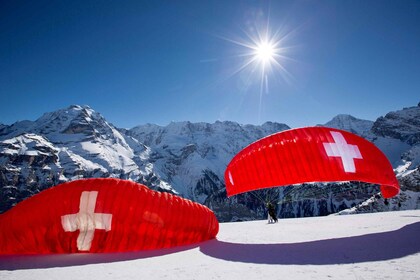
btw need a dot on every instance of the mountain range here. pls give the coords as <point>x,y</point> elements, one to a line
<point>189,159</point>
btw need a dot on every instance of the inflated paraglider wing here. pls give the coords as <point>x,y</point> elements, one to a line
<point>311,154</point>
<point>103,215</point>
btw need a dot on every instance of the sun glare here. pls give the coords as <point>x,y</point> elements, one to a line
<point>264,52</point>
<point>262,56</point>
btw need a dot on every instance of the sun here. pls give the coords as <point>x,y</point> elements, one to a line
<point>262,58</point>
<point>265,52</point>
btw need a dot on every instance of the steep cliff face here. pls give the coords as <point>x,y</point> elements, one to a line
<point>28,164</point>
<point>403,125</point>
<point>188,159</point>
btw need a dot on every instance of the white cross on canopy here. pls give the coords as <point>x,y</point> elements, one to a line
<point>347,152</point>
<point>86,221</point>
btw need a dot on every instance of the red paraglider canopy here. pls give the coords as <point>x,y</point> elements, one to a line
<point>103,215</point>
<point>311,154</point>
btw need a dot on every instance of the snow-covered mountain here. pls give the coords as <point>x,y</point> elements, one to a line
<point>192,157</point>
<point>351,124</point>
<point>402,127</point>
<point>185,158</point>
<point>72,143</point>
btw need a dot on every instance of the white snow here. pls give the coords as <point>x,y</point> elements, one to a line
<point>365,246</point>
<point>392,148</point>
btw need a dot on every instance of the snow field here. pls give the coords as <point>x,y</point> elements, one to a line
<point>364,246</point>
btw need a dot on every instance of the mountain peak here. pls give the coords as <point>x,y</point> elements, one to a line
<point>74,119</point>
<point>344,117</point>
<point>79,107</point>
<point>350,123</point>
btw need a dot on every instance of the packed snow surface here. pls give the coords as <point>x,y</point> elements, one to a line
<point>365,246</point>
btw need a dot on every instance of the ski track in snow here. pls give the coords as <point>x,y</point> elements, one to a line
<point>364,246</point>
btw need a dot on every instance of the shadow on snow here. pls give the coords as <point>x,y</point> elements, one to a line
<point>365,248</point>
<point>16,262</point>
<point>356,249</point>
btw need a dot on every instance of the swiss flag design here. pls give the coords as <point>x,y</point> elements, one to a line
<point>346,152</point>
<point>103,215</point>
<point>311,154</point>
<point>86,221</point>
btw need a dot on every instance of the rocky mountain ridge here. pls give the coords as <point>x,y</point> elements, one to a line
<point>184,158</point>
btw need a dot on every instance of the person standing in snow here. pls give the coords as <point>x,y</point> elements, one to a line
<point>272,217</point>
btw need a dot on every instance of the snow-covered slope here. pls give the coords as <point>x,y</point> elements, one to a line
<point>398,135</point>
<point>368,246</point>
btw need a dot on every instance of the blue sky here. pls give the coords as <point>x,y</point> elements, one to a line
<point>140,62</point>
